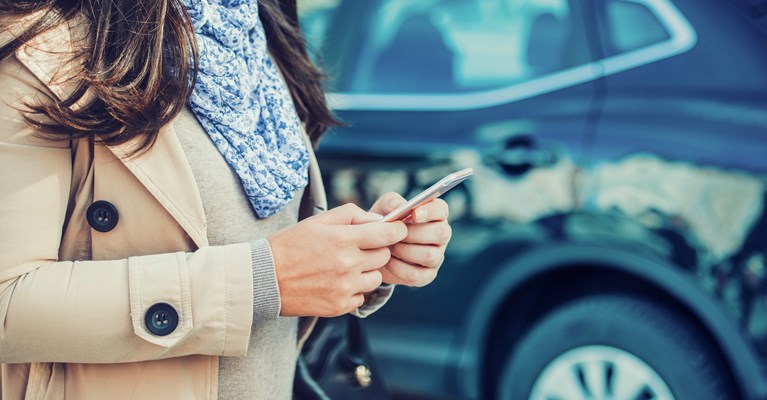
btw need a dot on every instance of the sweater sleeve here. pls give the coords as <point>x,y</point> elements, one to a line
<point>266,292</point>
<point>375,300</point>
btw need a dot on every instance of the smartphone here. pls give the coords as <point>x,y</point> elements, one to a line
<point>429,194</point>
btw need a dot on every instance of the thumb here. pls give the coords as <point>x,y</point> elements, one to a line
<point>387,203</point>
<point>347,214</point>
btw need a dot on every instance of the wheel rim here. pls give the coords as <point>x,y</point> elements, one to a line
<point>599,373</point>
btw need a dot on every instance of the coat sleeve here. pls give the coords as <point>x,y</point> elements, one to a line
<point>96,311</point>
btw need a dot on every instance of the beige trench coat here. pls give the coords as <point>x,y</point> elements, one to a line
<point>73,300</point>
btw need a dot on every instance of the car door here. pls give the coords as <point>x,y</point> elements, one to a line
<point>681,141</point>
<point>428,87</point>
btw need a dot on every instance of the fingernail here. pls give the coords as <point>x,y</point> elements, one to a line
<point>420,215</point>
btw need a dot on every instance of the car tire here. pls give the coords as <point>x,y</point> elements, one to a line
<point>603,345</point>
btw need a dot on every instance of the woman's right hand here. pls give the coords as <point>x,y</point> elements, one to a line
<point>327,262</point>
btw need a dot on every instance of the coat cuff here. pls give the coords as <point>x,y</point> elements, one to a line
<point>374,300</point>
<point>266,292</point>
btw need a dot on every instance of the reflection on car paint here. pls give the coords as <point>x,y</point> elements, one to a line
<point>715,208</point>
<point>716,214</point>
<point>541,192</point>
<point>704,218</point>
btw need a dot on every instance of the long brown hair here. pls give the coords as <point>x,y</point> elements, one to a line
<point>129,100</point>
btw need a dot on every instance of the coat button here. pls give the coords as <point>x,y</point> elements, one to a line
<point>102,216</point>
<point>161,319</point>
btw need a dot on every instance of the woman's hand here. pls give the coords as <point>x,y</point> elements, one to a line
<point>325,263</point>
<point>416,260</point>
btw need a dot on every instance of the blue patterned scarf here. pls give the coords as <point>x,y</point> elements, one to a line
<point>244,104</point>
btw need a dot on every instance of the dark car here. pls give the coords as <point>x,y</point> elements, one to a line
<point>613,241</point>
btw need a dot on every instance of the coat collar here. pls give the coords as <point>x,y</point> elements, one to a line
<point>163,170</point>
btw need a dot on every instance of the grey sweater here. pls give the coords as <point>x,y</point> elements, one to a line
<point>266,372</point>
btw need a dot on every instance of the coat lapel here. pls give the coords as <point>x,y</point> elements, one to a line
<point>163,170</point>
<point>165,173</point>
<point>314,200</point>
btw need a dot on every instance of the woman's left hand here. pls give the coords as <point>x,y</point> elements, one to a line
<point>415,261</point>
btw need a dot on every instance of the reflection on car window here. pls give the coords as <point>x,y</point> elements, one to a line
<point>632,26</point>
<point>438,46</point>
<point>464,45</point>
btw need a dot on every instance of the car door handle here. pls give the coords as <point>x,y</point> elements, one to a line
<point>522,152</point>
<point>516,157</point>
<point>518,160</point>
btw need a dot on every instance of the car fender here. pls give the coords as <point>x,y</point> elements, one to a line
<point>739,353</point>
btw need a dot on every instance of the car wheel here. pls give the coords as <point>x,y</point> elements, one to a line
<point>614,347</point>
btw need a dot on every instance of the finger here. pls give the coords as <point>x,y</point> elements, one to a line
<point>374,259</point>
<point>387,203</point>
<point>377,235</point>
<point>347,214</point>
<point>436,233</point>
<point>402,273</point>
<point>419,254</point>
<point>435,210</point>
<point>370,281</point>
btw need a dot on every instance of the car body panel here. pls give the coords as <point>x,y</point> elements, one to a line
<point>644,161</point>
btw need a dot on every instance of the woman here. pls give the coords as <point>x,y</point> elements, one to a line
<point>155,166</point>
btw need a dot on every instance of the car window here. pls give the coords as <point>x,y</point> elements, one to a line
<point>443,46</point>
<point>631,25</point>
<point>315,17</point>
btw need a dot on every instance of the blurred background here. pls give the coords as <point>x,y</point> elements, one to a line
<point>613,241</point>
